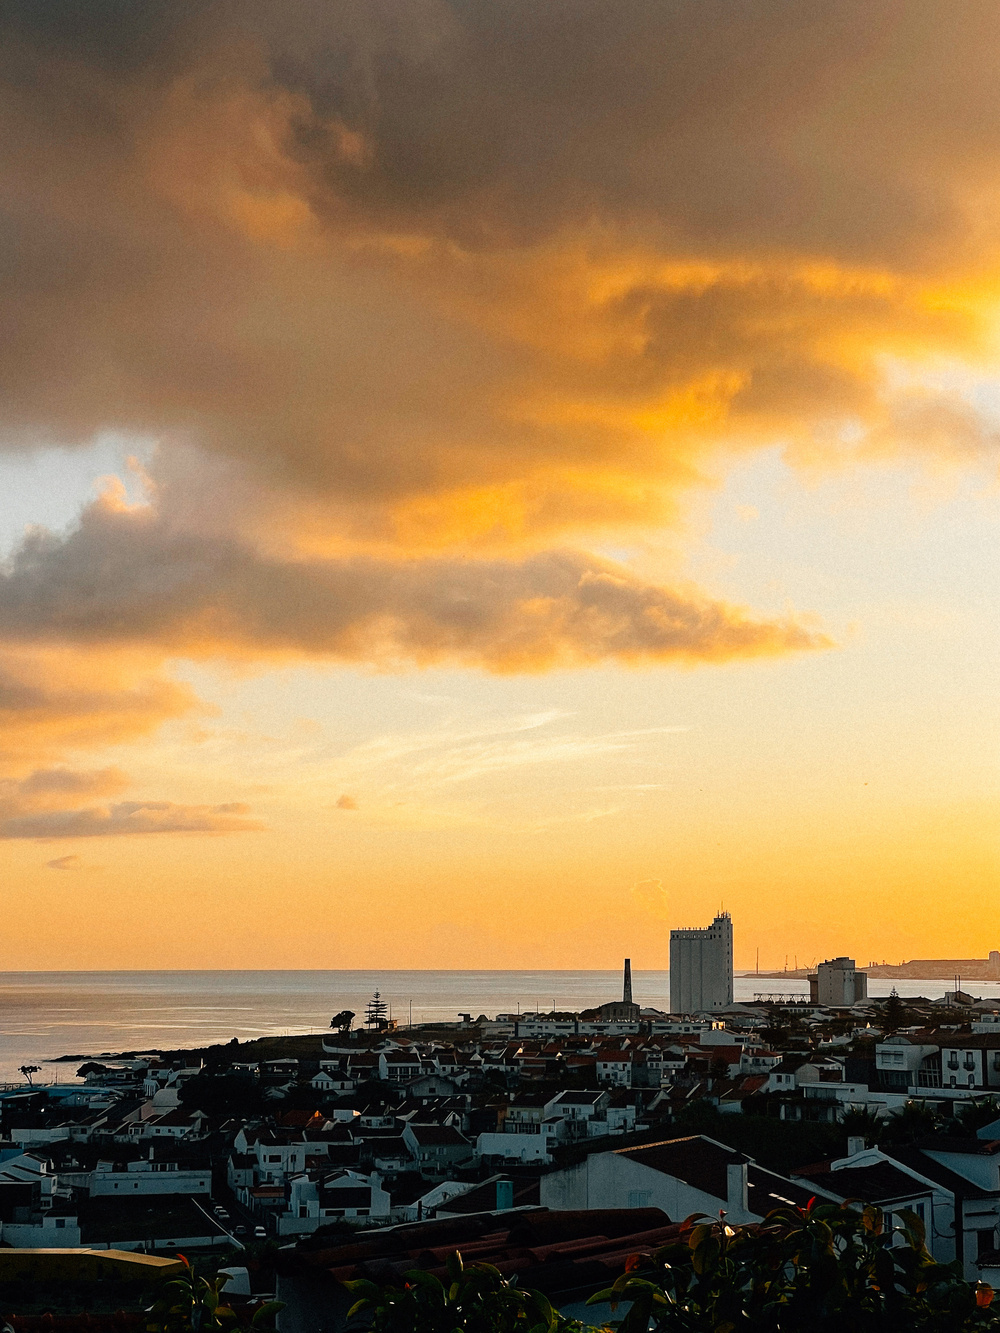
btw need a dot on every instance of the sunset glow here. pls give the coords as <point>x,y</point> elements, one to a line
<point>481,484</point>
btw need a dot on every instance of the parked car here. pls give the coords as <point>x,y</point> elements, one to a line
<point>240,1230</point>
<point>260,1233</point>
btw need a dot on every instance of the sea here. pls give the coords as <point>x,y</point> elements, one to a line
<point>44,1015</point>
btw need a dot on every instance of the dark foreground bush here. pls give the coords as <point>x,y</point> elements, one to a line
<point>825,1269</point>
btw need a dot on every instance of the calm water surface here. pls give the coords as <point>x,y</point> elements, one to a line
<point>47,1014</point>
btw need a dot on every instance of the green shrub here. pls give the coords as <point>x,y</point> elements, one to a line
<point>826,1269</point>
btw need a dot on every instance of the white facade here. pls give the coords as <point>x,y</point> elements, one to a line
<point>612,1180</point>
<point>701,968</point>
<point>837,984</point>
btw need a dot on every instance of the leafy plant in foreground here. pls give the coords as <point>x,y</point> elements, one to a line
<point>188,1304</point>
<point>828,1268</point>
<point>477,1298</point>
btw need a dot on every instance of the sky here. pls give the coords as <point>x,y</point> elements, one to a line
<point>483,482</point>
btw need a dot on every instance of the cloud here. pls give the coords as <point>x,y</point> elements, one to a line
<point>71,862</point>
<point>130,817</point>
<point>462,273</point>
<point>650,896</point>
<point>424,302</point>
<point>53,804</point>
<point>129,576</point>
<point>52,700</point>
<point>346,803</point>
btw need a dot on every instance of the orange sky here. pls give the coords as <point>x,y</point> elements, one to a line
<point>485,482</point>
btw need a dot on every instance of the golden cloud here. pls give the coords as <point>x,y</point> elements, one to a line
<point>52,803</point>
<point>423,299</point>
<point>129,576</point>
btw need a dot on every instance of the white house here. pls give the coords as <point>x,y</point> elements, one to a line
<point>680,1176</point>
<point>316,1198</point>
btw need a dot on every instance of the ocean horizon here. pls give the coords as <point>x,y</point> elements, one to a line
<point>48,1014</point>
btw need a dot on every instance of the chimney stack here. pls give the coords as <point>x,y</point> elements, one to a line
<point>627,990</point>
<point>737,1185</point>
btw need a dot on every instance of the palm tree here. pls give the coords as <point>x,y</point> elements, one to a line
<point>28,1070</point>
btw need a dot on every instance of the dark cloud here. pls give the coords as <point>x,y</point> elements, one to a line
<point>127,576</point>
<point>338,241</point>
<point>130,817</point>
<point>421,298</point>
<point>71,862</point>
<point>346,803</point>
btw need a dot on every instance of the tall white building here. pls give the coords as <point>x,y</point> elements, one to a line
<point>838,983</point>
<point>701,967</point>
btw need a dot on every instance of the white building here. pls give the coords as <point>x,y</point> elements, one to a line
<point>838,984</point>
<point>681,1176</point>
<point>701,968</point>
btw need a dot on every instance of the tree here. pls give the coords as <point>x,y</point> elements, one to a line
<point>222,1095</point>
<point>828,1268</point>
<point>477,1299</point>
<point>28,1070</point>
<point>893,1013</point>
<point>978,1114</point>
<point>91,1067</point>
<point>909,1124</point>
<point>862,1123</point>
<point>376,1013</point>
<point>342,1021</point>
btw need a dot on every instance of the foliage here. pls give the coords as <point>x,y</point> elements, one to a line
<point>894,1013</point>
<point>189,1303</point>
<point>909,1124</point>
<point>222,1095</point>
<point>863,1123</point>
<point>780,1145</point>
<point>824,1269</point>
<point>28,1070</point>
<point>91,1067</point>
<point>978,1114</point>
<point>477,1298</point>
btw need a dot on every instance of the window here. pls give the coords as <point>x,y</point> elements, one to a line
<point>985,1241</point>
<point>275,1158</point>
<point>303,1210</point>
<point>639,1198</point>
<point>61,1222</point>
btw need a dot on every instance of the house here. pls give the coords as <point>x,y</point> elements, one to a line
<point>436,1149</point>
<point>34,1214</point>
<point>695,1174</point>
<point>398,1066</point>
<point>328,1081</point>
<point>961,1216</point>
<point>317,1197</point>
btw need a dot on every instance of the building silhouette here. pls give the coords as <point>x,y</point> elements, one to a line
<point>701,967</point>
<point>838,984</point>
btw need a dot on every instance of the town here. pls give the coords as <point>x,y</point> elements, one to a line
<point>614,1122</point>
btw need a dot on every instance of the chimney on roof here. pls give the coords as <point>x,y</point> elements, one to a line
<point>627,988</point>
<point>854,1146</point>
<point>737,1184</point>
